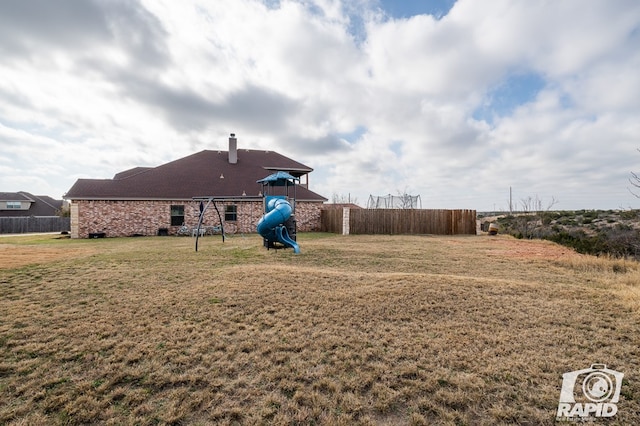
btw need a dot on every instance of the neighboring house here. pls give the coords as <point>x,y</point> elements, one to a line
<point>22,212</point>
<point>24,204</point>
<point>153,200</point>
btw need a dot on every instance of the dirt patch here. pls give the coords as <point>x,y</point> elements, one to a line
<point>13,255</point>
<point>507,247</point>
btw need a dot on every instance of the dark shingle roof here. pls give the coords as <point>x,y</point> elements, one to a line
<point>206,173</point>
<point>41,205</point>
<point>131,172</point>
<point>15,196</point>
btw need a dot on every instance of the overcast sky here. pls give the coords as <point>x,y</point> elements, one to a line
<point>452,101</point>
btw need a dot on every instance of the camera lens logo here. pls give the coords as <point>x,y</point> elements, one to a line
<point>591,392</point>
<point>598,387</point>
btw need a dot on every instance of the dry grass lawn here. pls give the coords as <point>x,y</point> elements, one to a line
<point>354,330</point>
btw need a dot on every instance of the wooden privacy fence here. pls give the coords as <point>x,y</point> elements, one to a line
<point>398,221</point>
<point>22,225</point>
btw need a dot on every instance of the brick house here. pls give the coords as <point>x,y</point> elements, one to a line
<point>149,200</point>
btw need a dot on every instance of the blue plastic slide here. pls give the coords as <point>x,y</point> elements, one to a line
<point>271,225</point>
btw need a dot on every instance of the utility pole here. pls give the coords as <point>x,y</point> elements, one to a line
<point>510,202</point>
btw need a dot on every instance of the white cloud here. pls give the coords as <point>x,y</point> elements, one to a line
<point>375,104</point>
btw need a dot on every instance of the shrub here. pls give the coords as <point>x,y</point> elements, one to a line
<point>630,214</point>
<point>579,241</point>
<point>590,214</point>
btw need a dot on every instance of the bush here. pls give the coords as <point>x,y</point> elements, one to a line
<point>567,221</point>
<point>590,214</point>
<point>617,242</point>
<point>630,214</point>
<point>579,241</point>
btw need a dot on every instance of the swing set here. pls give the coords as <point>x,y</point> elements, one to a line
<point>200,230</point>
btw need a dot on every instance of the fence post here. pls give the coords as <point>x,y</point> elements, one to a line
<point>345,220</point>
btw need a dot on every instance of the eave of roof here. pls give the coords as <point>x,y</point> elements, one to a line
<point>289,169</point>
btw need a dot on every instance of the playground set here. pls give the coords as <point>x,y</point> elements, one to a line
<point>277,226</point>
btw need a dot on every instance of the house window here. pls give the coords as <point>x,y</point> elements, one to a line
<point>14,205</point>
<point>177,215</point>
<point>231,213</point>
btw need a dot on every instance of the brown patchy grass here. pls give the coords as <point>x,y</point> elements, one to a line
<point>15,255</point>
<point>355,330</point>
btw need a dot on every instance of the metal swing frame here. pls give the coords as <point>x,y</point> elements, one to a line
<point>203,209</point>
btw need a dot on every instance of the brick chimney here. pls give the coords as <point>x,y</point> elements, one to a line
<point>233,149</point>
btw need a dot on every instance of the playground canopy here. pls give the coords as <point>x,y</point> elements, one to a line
<point>404,201</point>
<point>278,178</point>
